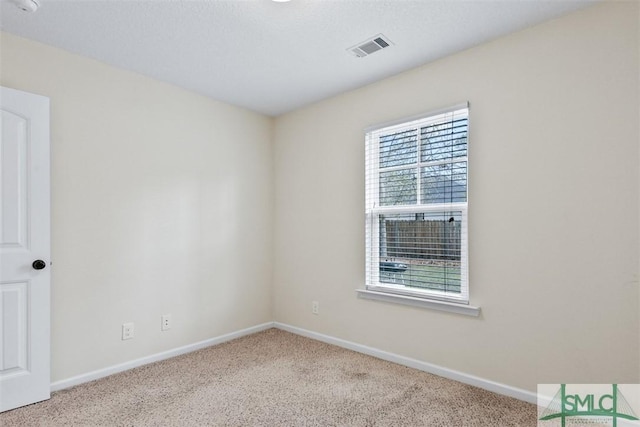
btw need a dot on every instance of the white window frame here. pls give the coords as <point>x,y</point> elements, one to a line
<point>374,211</point>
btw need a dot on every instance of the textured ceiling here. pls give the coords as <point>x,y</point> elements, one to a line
<point>266,56</point>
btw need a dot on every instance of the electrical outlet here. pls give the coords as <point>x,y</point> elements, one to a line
<point>315,307</point>
<point>127,331</point>
<point>166,322</point>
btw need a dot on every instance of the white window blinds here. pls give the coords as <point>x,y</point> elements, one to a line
<point>416,206</point>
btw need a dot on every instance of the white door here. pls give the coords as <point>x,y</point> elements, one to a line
<point>25,271</point>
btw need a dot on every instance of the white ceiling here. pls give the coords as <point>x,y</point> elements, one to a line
<point>266,56</point>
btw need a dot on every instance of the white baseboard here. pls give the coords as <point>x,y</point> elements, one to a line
<point>485,384</point>
<point>495,387</point>
<point>101,373</point>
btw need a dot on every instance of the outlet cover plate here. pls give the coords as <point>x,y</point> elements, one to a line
<point>166,322</point>
<point>127,331</point>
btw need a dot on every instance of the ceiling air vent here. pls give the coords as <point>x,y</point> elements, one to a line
<point>370,46</point>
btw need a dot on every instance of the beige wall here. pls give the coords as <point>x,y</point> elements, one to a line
<point>161,203</point>
<point>553,204</point>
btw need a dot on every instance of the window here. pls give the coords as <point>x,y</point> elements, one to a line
<point>416,207</point>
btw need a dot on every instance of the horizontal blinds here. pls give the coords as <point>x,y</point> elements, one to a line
<point>421,162</point>
<point>416,118</point>
<point>416,195</point>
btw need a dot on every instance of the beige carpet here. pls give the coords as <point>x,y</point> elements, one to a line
<point>274,378</point>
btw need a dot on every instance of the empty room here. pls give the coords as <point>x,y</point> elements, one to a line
<point>319,213</point>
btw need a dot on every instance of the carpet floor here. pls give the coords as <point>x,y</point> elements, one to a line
<point>274,378</point>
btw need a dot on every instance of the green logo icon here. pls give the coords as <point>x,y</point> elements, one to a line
<point>564,406</point>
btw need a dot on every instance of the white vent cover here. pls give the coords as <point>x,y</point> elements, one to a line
<point>370,46</point>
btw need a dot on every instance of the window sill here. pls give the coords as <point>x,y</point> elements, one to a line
<point>468,310</point>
